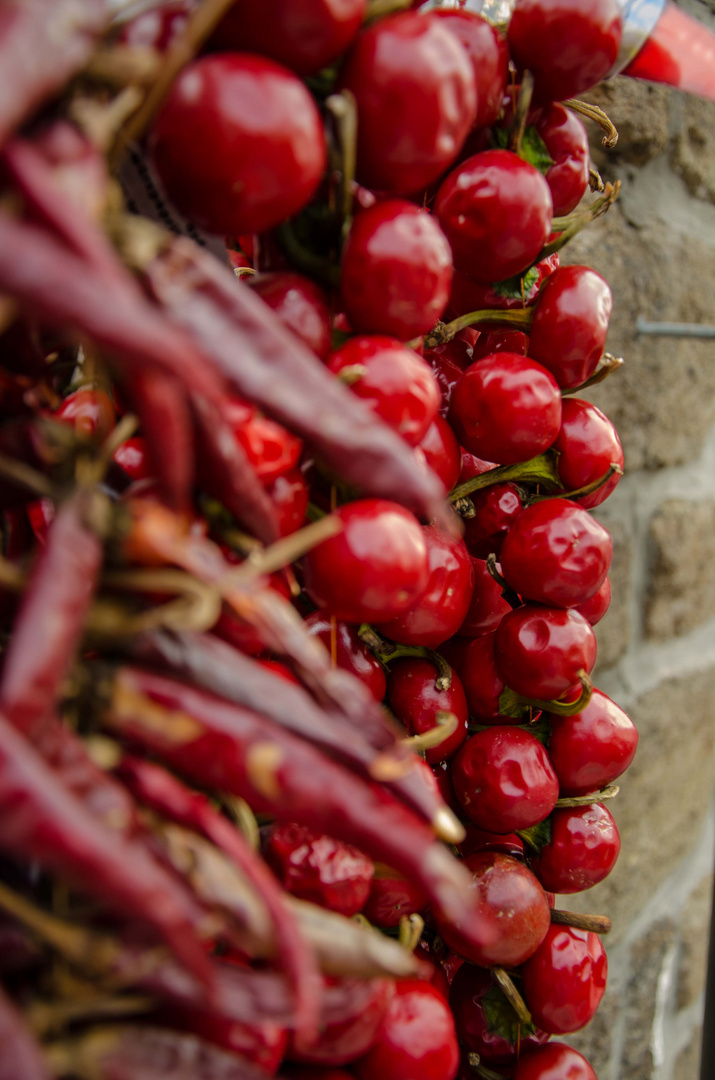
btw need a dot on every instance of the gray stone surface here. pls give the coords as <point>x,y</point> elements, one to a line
<point>687,1065</point>
<point>694,929</point>
<point>595,1041</point>
<point>693,152</point>
<point>647,958</point>
<point>664,797</point>
<point>681,591</point>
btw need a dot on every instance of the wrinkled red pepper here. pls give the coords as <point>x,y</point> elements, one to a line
<point>41,820</point>
<point>214,665</point>
<point>42,44</point>
<point>267,364</point>
<point>20,1057</point>
<point>160,791</point>
<point>225,747</point>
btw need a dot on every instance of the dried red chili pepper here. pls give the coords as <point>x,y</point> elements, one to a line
<point>131,1052</point>
<point>41,820</point>
<point>214,665</point>
<point>163,793</point>
<point>267,364</point>
<point>226,473</point>
<point>43,43</point>
<point>232,749</point>
<point>20,1056</point>
<point>155,533</point>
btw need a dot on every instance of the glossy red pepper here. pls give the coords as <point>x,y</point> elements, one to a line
<point>512,902</point>
<point>540,651</point>
<point>438,611</point>
<point>396,271</point>
<point>592,748</point>
<point>318,868</point>
<point>556,554</point>
<point>416,701</point>
<point>299,303</point>
<point>238,143</point>
<point>565,979</point>
<point>419,67</point>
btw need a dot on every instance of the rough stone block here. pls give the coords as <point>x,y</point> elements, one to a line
<point>595,1041</point>
<point>682,583</point>
<point>664,798</point>
<point>695,929</point>
<point>647,958</point>
<point>663,399</point>
<point>693,154</point>
<point>687,1064</point>
<point>640,112</point>
<point>614,632</point>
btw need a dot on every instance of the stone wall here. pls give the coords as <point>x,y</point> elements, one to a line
<point>657,643</point>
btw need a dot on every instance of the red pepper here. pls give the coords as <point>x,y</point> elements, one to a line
<point>20,1057</point>
<point>163,409</point>
<point>214,665</point>
<point>66,291</point>
<point>222,746</point>
<point>267,364</point>
<point>163,793</point>
<point>132,1052</point>
<point>52,614</point>
<point>156,535</point>
<point>226,473</point>
<point>42,44</point>
<point>42,821</point>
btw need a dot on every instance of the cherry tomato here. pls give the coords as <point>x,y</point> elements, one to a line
<point>90,412</point>
<point>318,868</point>
<point>238,143</point>
<point>566,141</point>
<point>375,568</point>
<point>592,748</point>
<point>540,651</point>
<point>496,210</point>
<point>416,1038</point>
<point>447,374</point>
<point>554,1062</point>
<point>583,849</point>
<point>485,1021</point>
<point>567,45</point>
<point>570,323</point>
<point>483,685</point>
<point>565,979</point>
<point>487,605</point>
<point>597,605</point>
<point>468,295</point>
<point>157,29</point>
<point>289,495</point>
<point>440,451</point>
<point>300,304</point>
<point>438,612</point>
<point>349,1031</point>
<point>511,341</point>
<point>504,780</point>
<point>419,67</point>
<point>478,840</point>
<point>510,904</point>
<point>496,508</point>
<point>305,35</point>
<point>395,382</point>
<point>270,448</point>
<point>415,701</point>
<point>506,408</point>
<point>391,898</point>
<point>132,457</point>
<point>396,270</point>
<point>588,445</point>
<point>351,652</point>
<point>487,50</point>
<point>556,554</point>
